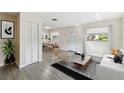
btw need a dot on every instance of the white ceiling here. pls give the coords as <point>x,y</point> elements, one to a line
<point>75,18</point>
<point>72,18</point>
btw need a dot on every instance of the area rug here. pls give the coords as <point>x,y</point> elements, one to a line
<point>75,75</point>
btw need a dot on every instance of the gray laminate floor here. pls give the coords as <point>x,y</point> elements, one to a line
<point>44,70</point>
<point>37,71</point>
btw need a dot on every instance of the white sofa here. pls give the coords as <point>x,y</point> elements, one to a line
<point>109,70</point>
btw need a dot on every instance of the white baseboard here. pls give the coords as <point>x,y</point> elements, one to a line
<point>21,66</point>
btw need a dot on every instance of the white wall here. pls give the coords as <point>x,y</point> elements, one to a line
<point>33,18</point>
<point>45,31</point>
<point>10,18</point>
<point>98,47</point>
<point>122,32</point>
<point>72,40</point>
<point>80,39</point>
<point>116,30</point>
<point>64,36</point>
<point>81,32</point>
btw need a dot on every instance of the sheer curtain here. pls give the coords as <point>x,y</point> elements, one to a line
<point>98,47</point>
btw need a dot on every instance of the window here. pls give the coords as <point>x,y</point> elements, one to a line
<point>55,35</point>
<point>98,41</point>
<point>97,34</point>
<point>97,37</point>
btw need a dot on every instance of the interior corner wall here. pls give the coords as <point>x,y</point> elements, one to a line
<point>9,18</point>
<point>123,32</point>
<point>81,33</point>
<point>29,17</point>
<point>64,36</point>
<point>116,30</point>
<point>17,41</point>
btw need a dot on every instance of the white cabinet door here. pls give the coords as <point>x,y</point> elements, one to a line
<point>35,43</point>
<point>27,33</point>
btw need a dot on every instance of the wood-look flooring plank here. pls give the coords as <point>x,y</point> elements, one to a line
<point>37,71</point>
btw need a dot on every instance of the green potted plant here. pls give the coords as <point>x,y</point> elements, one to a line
<point>8,51</point>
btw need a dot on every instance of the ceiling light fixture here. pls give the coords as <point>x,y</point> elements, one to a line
<point>54,19</point>
<point>47,27</point>
<point>98,17</point>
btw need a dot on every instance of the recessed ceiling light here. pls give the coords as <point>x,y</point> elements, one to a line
<point>47,27</point>
<point>77,24</point>
<point>98,17</point>
<point>54,19</point>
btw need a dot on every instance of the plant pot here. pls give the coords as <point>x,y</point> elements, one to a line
<point>7,61</point>
<point>10,59</point>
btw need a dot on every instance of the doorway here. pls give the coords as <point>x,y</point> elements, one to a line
<point>51,42</point>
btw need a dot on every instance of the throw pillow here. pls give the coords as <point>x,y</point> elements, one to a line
<point>114,51</point>
<point>118,58</point>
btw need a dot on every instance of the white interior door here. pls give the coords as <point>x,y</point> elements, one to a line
<point>31,43</point>
<point>27,43</point>
<point>35,42</point>
<point>72,41</point>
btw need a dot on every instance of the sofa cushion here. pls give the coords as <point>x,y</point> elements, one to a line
<point>118,58</point>
<point>107,59</point>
